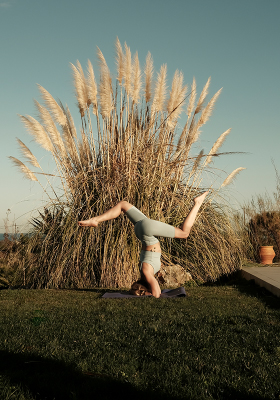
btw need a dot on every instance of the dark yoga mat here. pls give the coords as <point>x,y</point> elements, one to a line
<point>166,293</point>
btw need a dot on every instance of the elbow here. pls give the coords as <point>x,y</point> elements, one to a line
<point>156,293</point>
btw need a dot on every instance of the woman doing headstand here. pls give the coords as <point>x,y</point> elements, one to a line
<point>146,231</point>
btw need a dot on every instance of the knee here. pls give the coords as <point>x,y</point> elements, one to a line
<point>125,205</point>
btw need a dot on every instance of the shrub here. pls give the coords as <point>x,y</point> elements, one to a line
<point>264,230</point>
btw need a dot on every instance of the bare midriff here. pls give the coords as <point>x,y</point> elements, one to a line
<point>153,247</point>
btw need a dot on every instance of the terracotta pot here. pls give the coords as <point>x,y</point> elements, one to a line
<point>267,254</point>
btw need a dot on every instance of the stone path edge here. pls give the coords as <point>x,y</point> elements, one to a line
<point>262,278</point>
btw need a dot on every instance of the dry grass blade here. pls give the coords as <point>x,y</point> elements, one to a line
<point>149,69</point>
<point>38,132</point>
<point>231,176</point>
<point>26,171</point>
<point>28,154</point>
<point>55,109</point>
<point>216,146</point>
<point>160,91</point>
<point>137,84</point>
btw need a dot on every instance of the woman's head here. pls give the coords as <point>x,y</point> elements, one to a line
<point>139,288</point>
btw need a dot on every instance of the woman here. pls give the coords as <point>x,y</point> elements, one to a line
<point>146,230</point>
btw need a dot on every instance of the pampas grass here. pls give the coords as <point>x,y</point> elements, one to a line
<point>28,154</point>
<point>202,97</point>
<point>137,83</point>
<point>92,88</point>
<point>50,127</point>
<point>55,109</point>
<point>231,176</point>
<point>216,146</point>
<point>80,88</point>
<point>176,100</point>
<point>192,99</point>
<point>26,171</point>
<point>160,91</point>
<point>105,87</point>
<point>119,61</point>
<point>38,132</point>
<point>127,70</point>
<point>128,146</point>
<point>149,70</point>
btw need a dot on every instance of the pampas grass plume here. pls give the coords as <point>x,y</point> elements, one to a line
<point>192,99</point>
<point>91,88</point>
<point>119,61</point>
<point>149,69</point>
<point>28,154</point>
<point>55,109</point>
<point>216,146</point>
<point>81,95</point>
<point>207,112</point>
<point>105,86</point>
<point>160,91</point>
<point>127,70</point>
<point>26,171</point>
<point>202,97</point>
<point>176,99</point>
<point>231,176</point>
<point>136,79</point>
<point>38,132</point>
<point>50,127</point>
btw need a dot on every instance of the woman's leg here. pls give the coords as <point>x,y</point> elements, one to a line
<point>189,221</point>
<point>113,213</point>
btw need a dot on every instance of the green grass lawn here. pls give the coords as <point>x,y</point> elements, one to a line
<point>220,342</point>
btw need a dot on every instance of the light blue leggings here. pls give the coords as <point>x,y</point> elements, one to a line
<point>146,229</point>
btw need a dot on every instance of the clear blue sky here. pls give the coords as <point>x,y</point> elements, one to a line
<point>237,43</point>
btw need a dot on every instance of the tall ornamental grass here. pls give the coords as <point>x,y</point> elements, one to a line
<point>129,146</point>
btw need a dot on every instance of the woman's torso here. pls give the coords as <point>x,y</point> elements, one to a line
<point>153,247</point>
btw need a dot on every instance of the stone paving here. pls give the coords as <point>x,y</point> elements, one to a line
<point>266,276</point>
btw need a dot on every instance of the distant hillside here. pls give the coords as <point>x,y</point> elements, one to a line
<point>2,236</point>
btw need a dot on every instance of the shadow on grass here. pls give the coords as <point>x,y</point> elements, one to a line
<point>249,288</point>
<point>50,379</point>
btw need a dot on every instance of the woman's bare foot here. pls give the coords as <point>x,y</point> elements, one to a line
<point>89,222</point>
<point>199,199</point>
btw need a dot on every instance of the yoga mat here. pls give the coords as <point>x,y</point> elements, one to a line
<point>166,293</point>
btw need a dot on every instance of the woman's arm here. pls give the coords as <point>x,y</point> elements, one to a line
<point>148,272</point>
